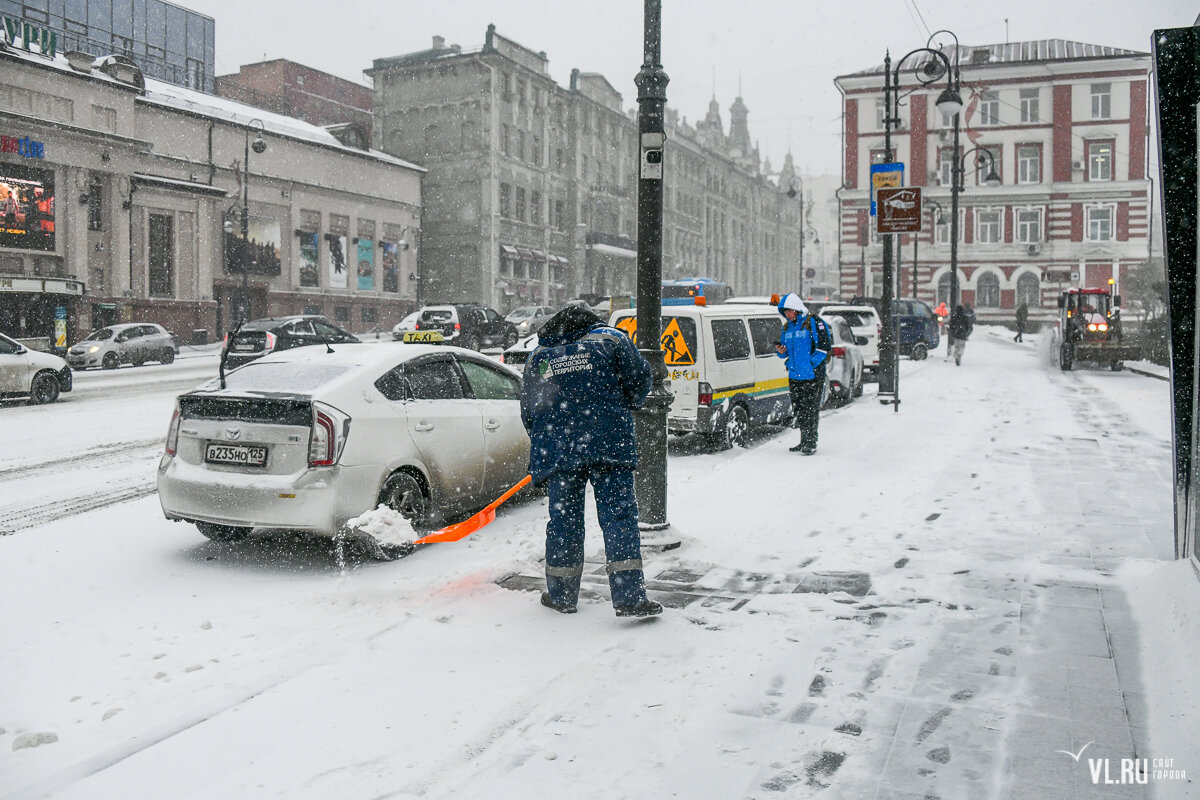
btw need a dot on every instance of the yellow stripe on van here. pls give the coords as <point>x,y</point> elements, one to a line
<point>758,389</point>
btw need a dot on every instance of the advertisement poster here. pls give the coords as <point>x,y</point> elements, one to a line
<point>26,207</point>
<point>337,261</point>
<point>366,264</point>
<point>310,271</point>
<point>390,258</point>
<point>258,253</point>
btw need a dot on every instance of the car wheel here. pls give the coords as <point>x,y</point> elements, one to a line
<point>858,387</point>
<point>110,361</point>
<point>471,342</point>
<point>1117,366</point>
<point>403,493</point>
<point>919,351</point>
<point>222,533</point>
<point>44,389</point>
<point>168,355</point>
<point>137,362</point>
<point>735,431</point>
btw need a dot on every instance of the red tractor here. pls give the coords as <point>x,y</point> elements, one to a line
<point>1089,329</point>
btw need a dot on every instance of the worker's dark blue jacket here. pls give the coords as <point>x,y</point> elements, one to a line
<point>581,384</point>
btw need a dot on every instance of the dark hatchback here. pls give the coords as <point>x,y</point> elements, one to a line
<point>259,337</point>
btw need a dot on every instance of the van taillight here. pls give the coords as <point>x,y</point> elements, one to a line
<point>173,432</point>
<point>839,352</point>
<point>704,394</point>
<point>330,428</point>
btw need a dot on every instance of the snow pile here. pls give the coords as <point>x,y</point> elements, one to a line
<point>384,525</point>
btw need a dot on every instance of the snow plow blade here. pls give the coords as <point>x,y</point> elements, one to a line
<point>461,530</point>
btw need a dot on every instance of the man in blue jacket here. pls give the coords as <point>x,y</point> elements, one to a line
<point>805,342</point>
<point>581,385</point>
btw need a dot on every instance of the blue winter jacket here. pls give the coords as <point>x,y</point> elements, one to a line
<point>581,384</point>
<point>805,359</point>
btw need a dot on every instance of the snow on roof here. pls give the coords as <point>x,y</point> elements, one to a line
<point>1039,50</point>
<point>222,108</point>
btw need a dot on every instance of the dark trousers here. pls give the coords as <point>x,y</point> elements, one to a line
<point>1020,337</point>
<point>616,508</point>
<point>806,406</point>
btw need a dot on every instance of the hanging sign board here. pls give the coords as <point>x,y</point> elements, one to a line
<point>899,210</point>
<point>885,176</point>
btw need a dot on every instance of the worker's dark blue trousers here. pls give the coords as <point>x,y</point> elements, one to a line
<point>616,508</point>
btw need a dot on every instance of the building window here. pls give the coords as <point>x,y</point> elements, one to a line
<point>559,159</point>
<point>1029,163</point>
<point>521,145</point>
<point>1101,101</point>
<point>341,314</point>
<point>559,218</point>
<point>537,151</point>
<point>505,146</point>
<point>1029,225</point>
<point>989,108</point>
<point>946,166</point>
<point>535,208</point>
<point>1029,105</point>
<point>880,113</point>
<point>1099,222</point>
<point>943,289</point>
<point>948,120</point>
<point>987,291</point>
<point>987,225</point>
<point>95,206</point>
<point>1029,290</point>
<point>162,255</point>
<point>1100,161</point>
<point>506,83</point>
<point>520,204</point>
<point>522,92</point>
<point>941,229</point>
<point>369,315</point>
<point>505,200</point>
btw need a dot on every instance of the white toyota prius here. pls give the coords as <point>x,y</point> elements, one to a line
<point>310,438</point>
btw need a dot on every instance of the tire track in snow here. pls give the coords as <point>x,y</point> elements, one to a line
<point>97,457</point>
<point>61,509</point>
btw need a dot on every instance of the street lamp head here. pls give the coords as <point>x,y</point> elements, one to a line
<point>227,226</point>
<point>949,102</point>
<point>992,179</point>
<point>793,185</point>
<point>259,146</point>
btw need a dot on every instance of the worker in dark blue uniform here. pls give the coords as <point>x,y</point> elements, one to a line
<point>805,343</point>
<point>581,385</point>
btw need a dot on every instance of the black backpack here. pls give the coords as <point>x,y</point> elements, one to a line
<point>823,341</point>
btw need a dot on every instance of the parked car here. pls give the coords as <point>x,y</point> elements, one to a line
<point>405,325</point>
<point>307,440</point>
<point>865,323</point>
<point>130,343</point>
<point>917,328</point>
<point>259,337</point>
<point>30,373</point>
<point>466,324</point>
<point>518,354</point>
<point>845,364</point>
<point>529,318</point>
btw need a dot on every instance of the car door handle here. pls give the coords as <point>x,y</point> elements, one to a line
<point>423,425</point>
<point>491,425</point>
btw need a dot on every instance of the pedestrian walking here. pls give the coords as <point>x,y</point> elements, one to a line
<point>962,321</point>
<point>1022,316</point>
<point>806,343</point>
<point>581,384</point>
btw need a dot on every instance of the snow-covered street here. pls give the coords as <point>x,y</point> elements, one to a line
<point>935,605</point>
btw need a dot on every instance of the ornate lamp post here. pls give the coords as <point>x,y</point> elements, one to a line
<point>259,146</point>
<point>796,189</point>
<point>948,102</point>
<point>934,219</point>
<point>982,157</point>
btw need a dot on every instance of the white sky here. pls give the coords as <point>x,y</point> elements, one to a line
<point>786,52</point>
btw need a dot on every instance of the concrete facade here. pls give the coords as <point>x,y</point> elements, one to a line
<point>1067,123</point>
<point>146,179</point>
<point>531,193</point>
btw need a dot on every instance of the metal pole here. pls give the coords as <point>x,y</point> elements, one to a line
<point>887,343</point>
<point>650,421</point>
<point>956,177</point>
<point>802,234</point>
<point>916,241</point>
<point>245,306</point>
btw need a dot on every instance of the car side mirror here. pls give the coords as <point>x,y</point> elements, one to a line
<point>122,338</point>
<point>860,340</point>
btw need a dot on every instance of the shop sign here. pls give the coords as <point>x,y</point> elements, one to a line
<point>25,147</point>
<point>30,35</point>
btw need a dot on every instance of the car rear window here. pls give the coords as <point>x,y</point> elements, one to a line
<point>437,316</point>
<point>282,376</point>
<point>855,318</point>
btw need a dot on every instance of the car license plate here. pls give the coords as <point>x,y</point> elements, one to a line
<point>423,336</point>
<point>244,347</point>
<point>249,455</point>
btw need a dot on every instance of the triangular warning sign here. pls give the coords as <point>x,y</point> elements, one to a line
<point>674,347</point>
<point>629,325</point>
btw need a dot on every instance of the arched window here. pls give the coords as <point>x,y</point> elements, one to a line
<point>987,291</point>
<point>943,293</point>
<point>1029,290</point>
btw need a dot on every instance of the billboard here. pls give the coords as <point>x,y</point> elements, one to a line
<point>390,258</point>
<point>310,272</point>
<point>259,253</point>
<point>337,261</point>
<point>26,207</point>
<point>366,263</point>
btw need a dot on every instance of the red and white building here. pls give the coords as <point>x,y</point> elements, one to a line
<point>1067,125</point>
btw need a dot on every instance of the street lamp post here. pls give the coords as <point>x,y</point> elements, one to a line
<point>413,243</point>
<point>948,102</point>
<point>933,221</point>
<point>955,78</point>
<point>259,146</point>
<point>796,189</point>
<point>650,421</point>
<point>982,156</point>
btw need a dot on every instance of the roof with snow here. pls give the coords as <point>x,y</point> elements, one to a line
<point>1038,51</point>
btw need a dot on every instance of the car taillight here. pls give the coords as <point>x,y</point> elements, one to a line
<point>839,352</point>
<point>704,394</point>
<point>457,327</point>
<point>173,432</point>
<point>270,341</point>
<point>879,330</point>
<point>330,428</point>
<point>225,342</point>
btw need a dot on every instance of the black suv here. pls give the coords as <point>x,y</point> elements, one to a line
<point>259,337</point>
<point>468,325</point>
